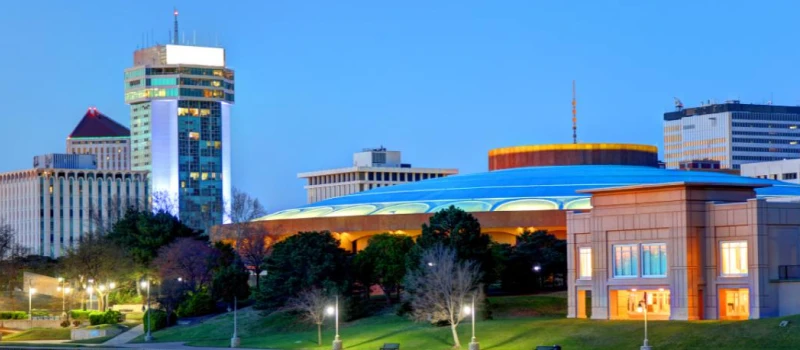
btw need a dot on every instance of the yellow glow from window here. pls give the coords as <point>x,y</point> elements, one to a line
<point>204,176</point>
<point>194,135</point>
<point>734,258</point>
<point>585,264</point>
<point>194,176</point>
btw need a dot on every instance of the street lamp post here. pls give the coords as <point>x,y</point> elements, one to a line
<point>235,341</point>
<point>148,337</point>
<point>337,342</point>
<point>111,286</point>
<point>31,292</point>
<point>642,307</point>
<point>90,290</point>
<point>64,291</point>
<point>470,310</point>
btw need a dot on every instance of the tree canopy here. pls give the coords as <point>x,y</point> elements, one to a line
<point>302,262</point>
<point>383,262</point>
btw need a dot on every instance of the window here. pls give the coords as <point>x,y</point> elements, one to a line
<point>789,176</point>
<point>734,258</point>
<point>626,261</point>
<point>585,264</point>
<point>654,260</point>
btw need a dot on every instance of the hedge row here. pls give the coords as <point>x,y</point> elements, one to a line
<point>13,315</point>
<point>80,314</point>
<point>108,317</point>
<point>159,320</point>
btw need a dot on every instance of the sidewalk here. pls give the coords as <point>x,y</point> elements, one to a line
<point>124,338</point>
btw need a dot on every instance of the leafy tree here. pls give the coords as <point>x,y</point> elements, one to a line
<point>302,262</point>
<point>533,249</point>
<point>442,285</point>
<point>383,262</point>
<point>453,227</point>
<point>254,248</point>
<point>96,258</point>
<point>187,260</point>
<point>143,233</point>
<point>230,282</point>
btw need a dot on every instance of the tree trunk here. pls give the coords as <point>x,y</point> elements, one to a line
<point>319,334</point>
<point>258,279</point>
<point>455,335</point>
<point>387,294</point>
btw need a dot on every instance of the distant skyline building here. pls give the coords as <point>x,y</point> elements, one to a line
<point>180,98</point>
<point>103,137</point>
<point>65,161</point>
<point>51,209</point>
<point>372,168</point>
<point>784,170</point>
<point>731,133</point>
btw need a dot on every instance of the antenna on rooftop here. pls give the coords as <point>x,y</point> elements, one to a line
<point>175,37</point>
<point>574,115</point>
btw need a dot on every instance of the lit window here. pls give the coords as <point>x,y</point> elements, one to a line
<point>194,135</point>
<point>585,263</point>
<point>734,258</point>
<point>654,260</point>
<point>626,262</point>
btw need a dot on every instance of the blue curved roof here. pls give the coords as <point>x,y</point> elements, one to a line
<point>533,188</point>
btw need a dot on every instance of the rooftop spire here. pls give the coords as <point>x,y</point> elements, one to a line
<point>175,36</point>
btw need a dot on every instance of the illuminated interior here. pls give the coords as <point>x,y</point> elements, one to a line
<point>734,304</point>
<point>312,213</point>
<point>406,208</point>
<point>629,304</point>
<point>583,203</point>
<point>354,210</point>
<point>468,206</point>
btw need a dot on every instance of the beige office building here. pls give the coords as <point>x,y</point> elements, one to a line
<point>684,251</point>
<point>372,168</point>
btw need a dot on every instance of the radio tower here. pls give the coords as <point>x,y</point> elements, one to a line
<point>574,115</point>
<point>175,36</point>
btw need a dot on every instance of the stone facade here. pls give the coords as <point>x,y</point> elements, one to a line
<point>726,255</point>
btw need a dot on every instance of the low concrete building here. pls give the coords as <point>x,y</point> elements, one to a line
<point>688,250</point>
<point>784,170</point>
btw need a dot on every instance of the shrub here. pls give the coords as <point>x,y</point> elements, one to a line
<point>108,317</point>
<point>13,315</point>
<point>80,314</point>
<point>404,308</point>
<point>76,323</point>
<point>40,313</point>
<point>197,304</point>
<point>158,320</point>
<point>64,324</point>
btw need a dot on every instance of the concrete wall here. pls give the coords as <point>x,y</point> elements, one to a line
<point>26,324</point>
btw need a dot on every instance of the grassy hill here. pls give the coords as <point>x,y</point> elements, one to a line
<point>520,323</point>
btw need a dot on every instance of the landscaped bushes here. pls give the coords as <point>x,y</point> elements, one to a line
<point>80,314</point>
<point>13,315</point>
<point>197,304</point>
<point>108,317</point>
<point>158,320</point>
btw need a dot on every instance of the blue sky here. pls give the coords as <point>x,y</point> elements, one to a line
<point>442,81</point>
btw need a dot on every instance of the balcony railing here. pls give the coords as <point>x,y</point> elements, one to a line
<point>789,272</point>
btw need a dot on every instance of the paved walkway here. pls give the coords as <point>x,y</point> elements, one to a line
<point>125,337</point>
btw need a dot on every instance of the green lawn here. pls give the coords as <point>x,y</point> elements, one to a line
<point>520,323</point>
<point>40,334</point>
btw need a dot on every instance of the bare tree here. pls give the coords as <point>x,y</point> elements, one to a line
<point>11,254</point>
<point>187,259</point>
<point>96,258</point>
<point>163,201</point>
<point>311,304</point>
<point>243,210</point>
<point>442,286</point>
<point>103,220</point>
<point>254,248</point>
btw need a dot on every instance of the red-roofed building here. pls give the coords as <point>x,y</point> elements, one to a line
<point>100,135</point>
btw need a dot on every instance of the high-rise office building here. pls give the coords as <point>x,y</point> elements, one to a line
<point>180,98</point>
<point>100,135</point>
<point>52,206</point>
<point>731,133</point>
<point>372,168</point>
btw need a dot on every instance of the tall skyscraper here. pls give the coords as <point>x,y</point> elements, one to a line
<point>101,136</point>
<point>180,98</point>
<point>731,133</point>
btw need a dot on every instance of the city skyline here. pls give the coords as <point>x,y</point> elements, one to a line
<point>313,78</point>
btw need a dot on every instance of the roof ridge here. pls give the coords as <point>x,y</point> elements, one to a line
<point>96,124</point>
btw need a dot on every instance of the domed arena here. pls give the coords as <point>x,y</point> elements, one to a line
<point>506,202</point>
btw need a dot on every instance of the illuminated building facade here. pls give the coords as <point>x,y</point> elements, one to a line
<point>51,209</point>
<point>731,133</point>
<point>372,168</point>
<point>180,98</point>
<point>573,154</point>
<point>99,135</point>
<point>689,250</point>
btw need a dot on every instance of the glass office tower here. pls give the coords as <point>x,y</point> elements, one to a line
<point>180,98</point>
